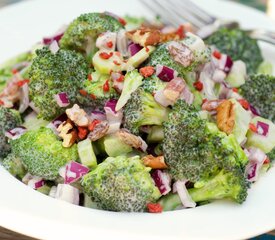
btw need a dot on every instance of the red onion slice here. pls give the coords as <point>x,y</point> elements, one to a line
<point>56,122</point>
<point>74,171</point>
<point>165,73</point>
<point>97,115</point>
<point>225,63</point>
<point>67,193</point>
<point>162,180</point>
<point>36,182</point>
<point>254,110</point>
<point>134,48</point>
<point>114,118</point>
<point>263,128</point>
<point>186,200</point>
<point>15,133</point>
<point>55,37</point>
<point>54,47</point>
<point>62,99</point>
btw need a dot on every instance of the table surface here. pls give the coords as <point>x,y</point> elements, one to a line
<point>6,234</point>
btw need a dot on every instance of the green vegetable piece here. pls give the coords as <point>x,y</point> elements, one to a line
<point>14,165</point>
<point>42,154</point>
<point>170,202</point>
<point>156,134</point>
<point>265,68</point>
<point>131,82</point>
<point>237,74</point>
<point>121,184</point>
<point>265,143</point>
<point>139,57</point>
<point>45,189</point>
<point>31,122</point>
<point>114,147</point>
<point>86,153</point>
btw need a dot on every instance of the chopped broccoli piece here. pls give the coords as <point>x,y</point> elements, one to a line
<point>231,184</point>
<point>82,33</point>
<point>96,96</point>
<point>51,74</point>
<point>14,165</point>
<point>195,149</point>
<point>42,153</point>
<point>271,155</point>
<point>142,109</point>
<point>121,184</point>
<point>259,90</point>
<point>239,46</point>
<point>9,119</point>
<point>153,84</point>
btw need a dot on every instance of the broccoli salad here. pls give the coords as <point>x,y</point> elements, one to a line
<point>127,115</point>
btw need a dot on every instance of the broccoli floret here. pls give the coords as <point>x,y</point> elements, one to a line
<point>51,74</point>
<point>225,184</point>
<point>96,97</point>
<point>14,165</point>
<point>153,84</point>
<point>142,109</point>
<point>271,155</point>
<point>121,184</point>
<point>195,149</point>
<point>9,119</point>
<point>259,90</point>
<point>42,153</point>
<point>82,33</point>
<point>239,46</point>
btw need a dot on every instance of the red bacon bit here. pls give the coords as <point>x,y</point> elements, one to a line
<point>122,21</point>
<point>116,63</point>
<point>83,92</point>
<point>217,54</point>
<point>82,132</point>
<point>14,71</point>
<point>90,77</point>
<point>110,44</point>
<point>147,71</point>
<point>22,82</point>
<point>154,208</point>
<point>93,96</point>
<point>121,78</point>
<point>106,87</point>
<point>198,85</point>
<point>235,90</point>
<point>92,125</point>
<point>253,128</point>
<point>105,55</point>
<point>180,32</point>
<point>244,103</point>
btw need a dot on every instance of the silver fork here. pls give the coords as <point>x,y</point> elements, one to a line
<point>175,12</point>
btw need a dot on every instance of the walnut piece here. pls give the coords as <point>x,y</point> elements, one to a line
<point>129,138</point>
<point>99,131</point>
<point>78,116</point>
<point>225,116</point>
<point>154,162</point>
<point>181,53</point>
<point>145,36</point>
<point>67,133</point>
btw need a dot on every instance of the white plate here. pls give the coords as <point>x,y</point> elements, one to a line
<point>31,213</point>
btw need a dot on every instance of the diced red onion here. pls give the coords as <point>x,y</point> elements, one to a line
<point>225,63</point>
<point>114,118</point>
<point>62,99</point>
<point>262,128</point>
<point>254,110</point>
<point>74,171</point>
<point>162,180</point>
<point>67,193</point>
<point>111,104</point>
<point>256,159</point>
<point>122,43</point>
<point>36,182</point>
<point>134,48</point>
<point>57,121</point>
<point>24,99</point>
<point>98,115</point>
<point>186,200</point>
<point>103,40</point>
<point>33,107</point>
<point>165,73</point>
<point>218,76</point>
<point>56,37</point>
<point>15,133</point>
<point>54,47</point>
<point>187,95</point>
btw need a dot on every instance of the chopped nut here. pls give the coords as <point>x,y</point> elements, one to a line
<point>181,53</point>
<point>225,116</point>
<point>154,162</point>
<point>78,116</point>
<point>129,138</point>
<point>145,36</point>
<point>67,133</point>
<point>99,131</point>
